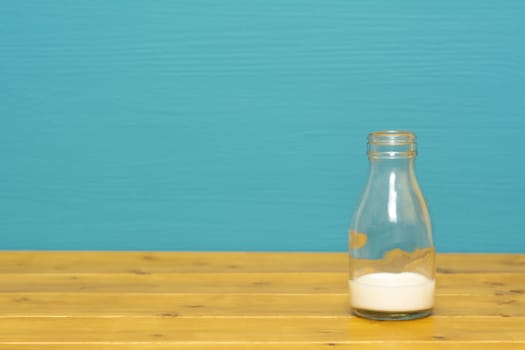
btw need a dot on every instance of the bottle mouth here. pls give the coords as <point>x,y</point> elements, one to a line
<point>391,144</point>
<point>391,137</point>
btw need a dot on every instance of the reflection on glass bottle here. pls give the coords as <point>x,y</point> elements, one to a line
<point>390,239</point>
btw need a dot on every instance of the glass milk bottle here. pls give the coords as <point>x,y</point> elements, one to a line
<point>390,244</point>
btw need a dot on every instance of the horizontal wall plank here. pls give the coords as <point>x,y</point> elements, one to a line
<point>190,125</point>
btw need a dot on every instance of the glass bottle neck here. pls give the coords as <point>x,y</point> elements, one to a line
<point>386,167</point>
<point>406,163</point>
<point>391,145</point>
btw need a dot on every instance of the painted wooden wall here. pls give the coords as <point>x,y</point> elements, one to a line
<point>241,124</point>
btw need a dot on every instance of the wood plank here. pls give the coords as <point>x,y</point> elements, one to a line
<point>169,262</point>
<point>308,283</point>
<point>205,262</point>
<point>246,329</point>
<point>202,305</point>
<point>480,263</point>
<point>412,345</point>
<point>176,283</point>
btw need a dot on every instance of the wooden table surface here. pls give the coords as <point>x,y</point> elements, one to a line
<point>139,300</point>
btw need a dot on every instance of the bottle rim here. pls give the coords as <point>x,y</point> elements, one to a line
<point>391,144</point>
<point>392,137</point>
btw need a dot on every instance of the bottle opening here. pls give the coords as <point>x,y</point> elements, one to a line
<point>391,144</point>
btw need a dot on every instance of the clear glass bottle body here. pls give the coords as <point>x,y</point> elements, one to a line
<point>392,257</point>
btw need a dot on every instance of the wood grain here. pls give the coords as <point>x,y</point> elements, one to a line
<point>195,262</point>
<point>256,329</point>
<point>116,305</point>
<point>140,300</point>
<point>298,283</point>
<point>412,345</point>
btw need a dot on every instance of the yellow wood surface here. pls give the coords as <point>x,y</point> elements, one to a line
<point>164,262</point>
<point>230,305</point>
<point>146,300</point>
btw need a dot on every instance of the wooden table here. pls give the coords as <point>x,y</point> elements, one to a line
<point>138,300</point>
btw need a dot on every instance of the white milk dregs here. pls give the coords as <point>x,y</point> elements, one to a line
<point>392,292</point>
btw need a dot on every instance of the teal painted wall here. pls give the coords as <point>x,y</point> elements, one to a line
<point>241,124</point>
